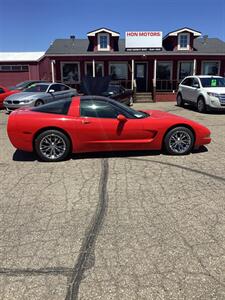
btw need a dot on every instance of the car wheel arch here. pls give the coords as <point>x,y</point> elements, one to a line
<point>40,100</point>
<point>53,128</point>
<point>201,96</point>
<point>174,126</point>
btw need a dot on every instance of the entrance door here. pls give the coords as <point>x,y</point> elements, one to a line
<point>140,75</point>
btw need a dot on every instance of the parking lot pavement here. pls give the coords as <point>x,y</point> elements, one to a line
<point>126,226</point>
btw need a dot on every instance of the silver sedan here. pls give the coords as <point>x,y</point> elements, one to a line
<point>39,94</point>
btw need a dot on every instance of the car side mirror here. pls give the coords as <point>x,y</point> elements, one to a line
<point>121,118</point>
<point>196,85</point>
<point>51,91</point>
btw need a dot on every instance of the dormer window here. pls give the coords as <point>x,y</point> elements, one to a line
<point>103,41</point>
<point>184,41</point>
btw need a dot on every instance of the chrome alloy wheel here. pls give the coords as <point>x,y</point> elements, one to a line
<point>52,146</point>
<point>180,141</point>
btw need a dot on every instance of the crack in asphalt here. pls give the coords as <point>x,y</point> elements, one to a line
<point>219,178</point>
<point>35,272</point>
<point>87,248</point>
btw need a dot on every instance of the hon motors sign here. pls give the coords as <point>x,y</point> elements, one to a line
<point>143,40</point>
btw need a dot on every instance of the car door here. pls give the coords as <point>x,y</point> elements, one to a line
<point>194,90</point>
<point>65,92</point>
<point>55,91</point>
<point>186,88</point>
<point>100,130</point>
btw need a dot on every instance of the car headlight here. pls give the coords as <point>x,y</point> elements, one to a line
<point>213,94</point>
<point>25,101</point>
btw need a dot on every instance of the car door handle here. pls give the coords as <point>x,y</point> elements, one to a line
<point>86,122</point>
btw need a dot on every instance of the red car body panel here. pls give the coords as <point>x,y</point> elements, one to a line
<point>95,134</point>
<point>6,93</point>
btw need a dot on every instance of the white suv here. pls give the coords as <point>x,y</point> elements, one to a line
<point>206,92</point>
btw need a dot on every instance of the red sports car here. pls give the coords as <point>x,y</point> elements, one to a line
<point>4,92</point>
<point>94,123</point>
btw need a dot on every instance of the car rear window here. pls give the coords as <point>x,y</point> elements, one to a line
<point>57,107</point>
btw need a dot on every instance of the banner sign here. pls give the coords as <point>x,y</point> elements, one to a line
<point>143,40</point>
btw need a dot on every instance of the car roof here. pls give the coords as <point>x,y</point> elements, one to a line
<point>94,97</point>
<point>204,76</point>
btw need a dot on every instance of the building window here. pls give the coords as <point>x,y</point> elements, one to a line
<point>164,70</point>
<point>70,72</point>
<point>164,76</point>
<point>185,68</point>
<point>183,41</point>
<point>118,71</point>
<point>103,42</point>
<point>210,68</point>
<point>13,68</point>
<point>99,69</point>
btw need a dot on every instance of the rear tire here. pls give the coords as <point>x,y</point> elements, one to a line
<point>39,102</point>
<point>179,141</point>
<point>180,101</point>
<point>201,107</point>
<point>52,145</point>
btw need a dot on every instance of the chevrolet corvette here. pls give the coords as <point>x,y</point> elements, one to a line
<point>94,123</point>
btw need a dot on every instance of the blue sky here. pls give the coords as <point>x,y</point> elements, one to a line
<point>31,25</point>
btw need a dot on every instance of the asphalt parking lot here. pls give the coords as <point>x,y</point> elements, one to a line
<point>114,226</point>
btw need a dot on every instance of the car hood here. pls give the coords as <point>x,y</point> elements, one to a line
<point>158,114</point>
<point>25,95</point>
<point>218,90</point>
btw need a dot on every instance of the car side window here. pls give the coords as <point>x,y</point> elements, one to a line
<point>188,81</point>
<point>64,87</point>
<point>55,87</point>
<point>195,82</point>
<point>1,91</point>
<point>98,109</point>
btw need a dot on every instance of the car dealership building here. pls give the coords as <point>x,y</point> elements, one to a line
<point>145,61</point>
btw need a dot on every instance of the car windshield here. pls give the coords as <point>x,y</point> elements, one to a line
<point>114,89</point>
<point>20,85</point>
<point>213,82</point>
<point>37,88</point>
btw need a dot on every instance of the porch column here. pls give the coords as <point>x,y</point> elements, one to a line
<point>53,70</point>
<point>154,80</point>
<point>194,66</point>
<point>132,74</point>
<point>93,67</point>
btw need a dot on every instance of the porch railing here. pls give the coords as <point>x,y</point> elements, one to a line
<point>166,85</point>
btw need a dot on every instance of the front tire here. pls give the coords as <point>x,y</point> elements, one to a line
<point>179,141</point>
<point>39,102</point>
<point>201,107</point>
<point>52,145</point>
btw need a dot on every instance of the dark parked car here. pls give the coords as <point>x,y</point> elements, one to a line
<point>119,93</point>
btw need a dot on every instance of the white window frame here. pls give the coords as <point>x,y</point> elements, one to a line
<point>11,68</point>
<point>119,63</point>
<point>178,67</point>
<point>99,45</point>
<point>70,62</point>
<point>211,61</point>
<point>188,41</point>
<point>91,62</point>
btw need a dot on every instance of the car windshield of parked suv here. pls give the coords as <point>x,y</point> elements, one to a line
<point>37,88</point>
<point>213,82</point>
